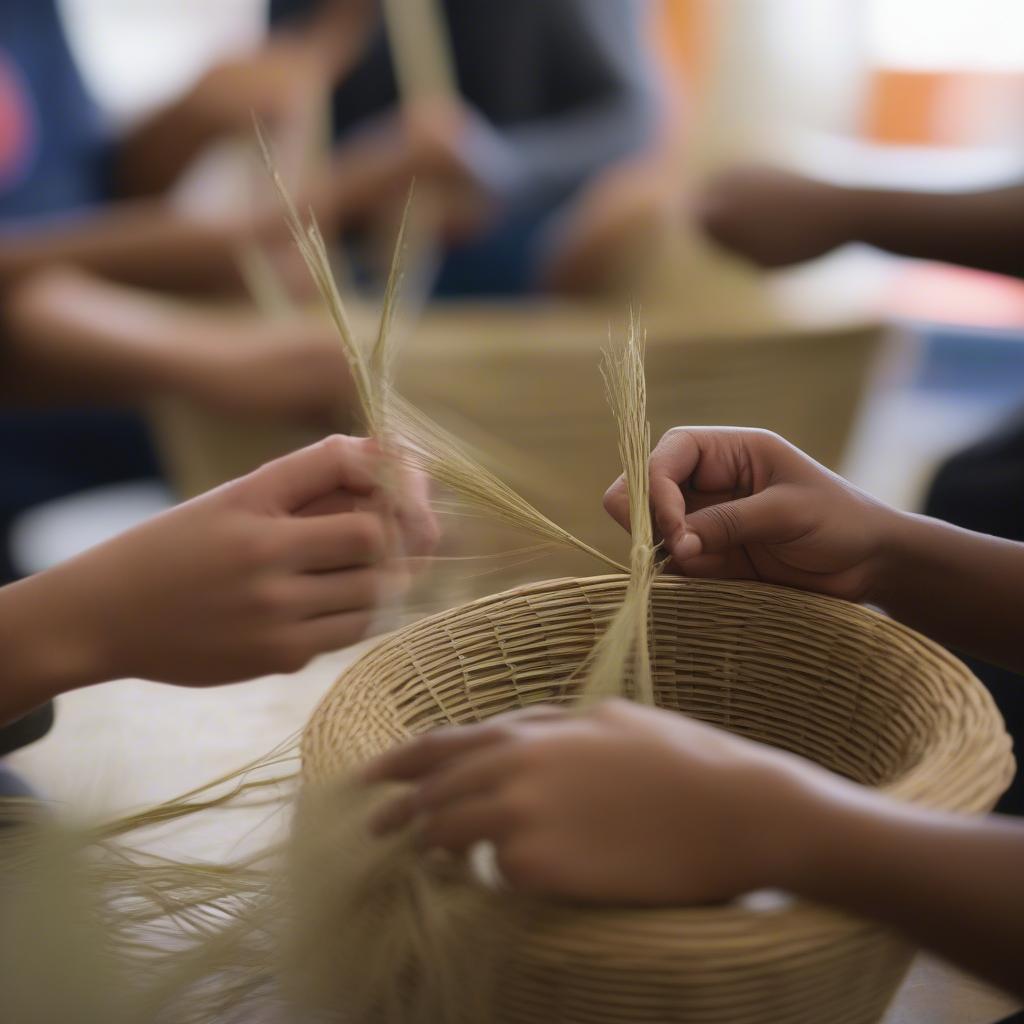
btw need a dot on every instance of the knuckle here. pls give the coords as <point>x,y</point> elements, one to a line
<point>366,532</point>
<point>336,446</point>
<point>613,496</point>
<point>724,520</point>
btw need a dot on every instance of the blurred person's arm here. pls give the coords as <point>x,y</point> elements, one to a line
<point>776,218</point>
<point>623,804</point>
<point>151,244</point>
<point>597,75</point>
<point>71,338</point>
<point>256,576</point>
<point>745,504</point>
<point>286,80</point>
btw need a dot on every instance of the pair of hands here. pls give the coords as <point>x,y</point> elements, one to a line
<point>629,804</point>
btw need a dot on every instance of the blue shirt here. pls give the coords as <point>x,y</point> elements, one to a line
<point>54,151</point>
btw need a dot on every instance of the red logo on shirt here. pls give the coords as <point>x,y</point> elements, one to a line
<point>16,123</point>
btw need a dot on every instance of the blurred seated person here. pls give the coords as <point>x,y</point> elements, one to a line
<point>775,218</point>
<point>550,94</point>
<point>83,348</point>
<point>69,339</point>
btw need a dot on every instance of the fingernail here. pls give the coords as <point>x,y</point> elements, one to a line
<point>687,548</point>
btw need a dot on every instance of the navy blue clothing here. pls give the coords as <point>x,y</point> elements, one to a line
<point>54,161</point>
<point>54,152</point>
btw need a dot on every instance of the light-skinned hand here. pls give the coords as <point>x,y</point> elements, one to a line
<point>257,576</point>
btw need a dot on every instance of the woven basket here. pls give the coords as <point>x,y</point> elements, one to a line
<point>834,682</point>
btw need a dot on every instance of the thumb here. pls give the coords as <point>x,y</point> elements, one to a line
<point>335,463</point>
<point>760,518</point>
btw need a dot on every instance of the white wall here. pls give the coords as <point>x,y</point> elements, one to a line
<point>136,53</point>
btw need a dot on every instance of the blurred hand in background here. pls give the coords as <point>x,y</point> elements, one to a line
<point>773,217</point>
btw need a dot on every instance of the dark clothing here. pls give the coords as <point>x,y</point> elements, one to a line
<point>54,162</point>
<point>561,89</point>
<point>982,489</point>
<point>564,83</point>
<point>54,152</point>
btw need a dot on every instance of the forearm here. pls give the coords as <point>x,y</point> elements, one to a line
<point>952,884</point>
<point>153,155</point>
<point>73,338</point>
<point>964,589</point>
<point>141,243</point>
<point>977,229</point>
<point>46,650</point>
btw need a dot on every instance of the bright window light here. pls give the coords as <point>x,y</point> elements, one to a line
<point>948,35</point>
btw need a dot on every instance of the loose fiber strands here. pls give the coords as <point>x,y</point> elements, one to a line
<point>417,938</point>
<point>625,639</point>
<point>334,924</point>
<point>418,440</point>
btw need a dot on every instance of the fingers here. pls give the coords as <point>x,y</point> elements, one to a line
<point>616,503</point>
<point>335,463</point>
<point>347,591</point>
<point>460,825</point>
<point>335,542</point>
<point>416,520</point>
<point>475,774</point>
<point>427,753</point>
<point>763,518</point>
<point>330,633</point>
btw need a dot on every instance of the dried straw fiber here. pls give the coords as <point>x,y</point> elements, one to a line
<point>526,380</point>
<point>837,683</point>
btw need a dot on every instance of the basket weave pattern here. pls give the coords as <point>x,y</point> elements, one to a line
<point>834,682</point>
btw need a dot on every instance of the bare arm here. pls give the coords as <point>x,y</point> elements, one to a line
<point>952,884</point>
<point>625,804</point>
<point>745,504</point>
<point>73,337</point>
<point>285,83</point>
<point>776,218</point>
<point>149,244</point>
<point>144,243</point>
<point>977,229</point>
<point>964,589</point>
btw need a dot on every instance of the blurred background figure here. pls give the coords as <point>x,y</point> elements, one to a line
<point>545,96</point>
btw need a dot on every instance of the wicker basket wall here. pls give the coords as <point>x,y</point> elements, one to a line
<point>837,683</point>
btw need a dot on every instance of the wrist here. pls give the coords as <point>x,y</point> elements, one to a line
<point>48,642</point>
<point>898,538</point>
<point>857,210</point>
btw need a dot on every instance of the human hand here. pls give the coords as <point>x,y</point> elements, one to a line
<point>622,804</point>
<point>257,576</point>
<point>276,83</point>
<point>775,218</point>
<point>243,365</point>
<point>745,504</point>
